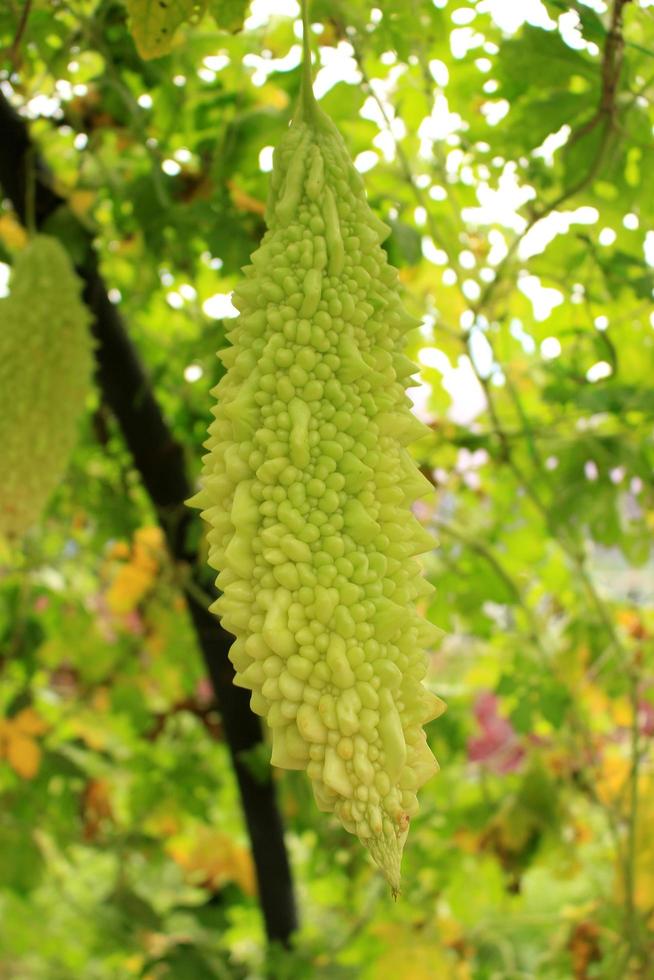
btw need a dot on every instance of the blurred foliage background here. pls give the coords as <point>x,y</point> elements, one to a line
<point>509,146</point>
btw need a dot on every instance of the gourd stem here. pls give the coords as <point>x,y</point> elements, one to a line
<point>306,96</point>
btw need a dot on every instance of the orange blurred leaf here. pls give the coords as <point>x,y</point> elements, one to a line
<point>128,588</point>
<point>245,202</point>
<point>12,233</point>
<point>612,777</point>
<point>23,755</point>
<point>213,858</point>
<point>29,722</point>
<point>96,807</point>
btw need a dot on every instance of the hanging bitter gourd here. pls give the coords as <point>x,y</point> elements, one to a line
<point>307,490</point>
<point>46,361</point>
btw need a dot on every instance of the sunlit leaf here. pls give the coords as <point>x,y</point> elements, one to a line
<point>154,23</point>
<point>229,14</point>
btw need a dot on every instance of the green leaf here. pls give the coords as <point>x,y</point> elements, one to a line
<point>403,244</point>
<point>137,912</point>
<point>228,14</point>
<point>22,862</point>
<point>537,60</point>
<point>153,23</point>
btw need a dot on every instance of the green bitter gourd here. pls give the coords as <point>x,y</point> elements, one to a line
<point>46,361</point>
<point>307,490</point>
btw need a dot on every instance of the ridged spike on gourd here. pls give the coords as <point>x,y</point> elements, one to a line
<point>434,706</point>
<point>404,368</point>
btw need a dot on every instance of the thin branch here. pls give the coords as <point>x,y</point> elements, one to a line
<point>14,51</point>
<point>405,164</point>
<point>631,857</point>
<point>606,111</point>
<point>604,115</point>
<point>477,545</point>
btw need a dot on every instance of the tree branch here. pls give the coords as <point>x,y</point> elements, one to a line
<point>14,51</point>
<point>405,165</point>
<point>533,630</point>
<point>159,459</point>
<point>611,68</point>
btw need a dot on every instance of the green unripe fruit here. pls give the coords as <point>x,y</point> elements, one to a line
<point>315,540</point>
<point>46,362</point>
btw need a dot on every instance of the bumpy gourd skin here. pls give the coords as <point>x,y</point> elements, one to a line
<point>307,490</point>
<point>46,362</point>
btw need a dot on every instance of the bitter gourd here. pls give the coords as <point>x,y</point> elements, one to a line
<point>307,488</point>
<point>46,361</point>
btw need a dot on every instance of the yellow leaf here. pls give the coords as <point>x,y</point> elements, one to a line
<point>595,699</point>
<point>243,201</point>
<point>97,810</point>
<point>467,840</point>
<point>134,964</point>
<point>614,772</point>
<point>150,537</point>
<point>81,202</point>
<point>153,23</point>
<point>29,722</point>
<point>23,755</point>
<point>84,727</point>
<point>583,833</point>
<point>12,233</point>
<point>413,957</point>
<point>621,712</point>
<point>157,944</point>
<point>119,549</point>
<point>212,857</point>
<point>276,98</point>
<point>148,545</point>
<point>128,588</point>
<point>632,623</point>
<point>101,700</point>
<point>644,851</point>
<point>449,930</point>
<point>154,642</point>
<point>165,823</point>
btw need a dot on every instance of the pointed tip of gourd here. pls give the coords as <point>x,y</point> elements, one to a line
<point>386,852</point>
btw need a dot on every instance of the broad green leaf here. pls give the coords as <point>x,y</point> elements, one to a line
<point>228,14</point>
<point>153,23</point>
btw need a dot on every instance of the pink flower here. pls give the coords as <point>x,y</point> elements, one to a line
<point>132,623</point>
<point>497,747</point>
<point>204,692</point>
<point>646,717</point>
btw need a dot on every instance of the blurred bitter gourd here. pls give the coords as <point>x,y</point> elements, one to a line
<point>45,373</point>
<point>307,490</point>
